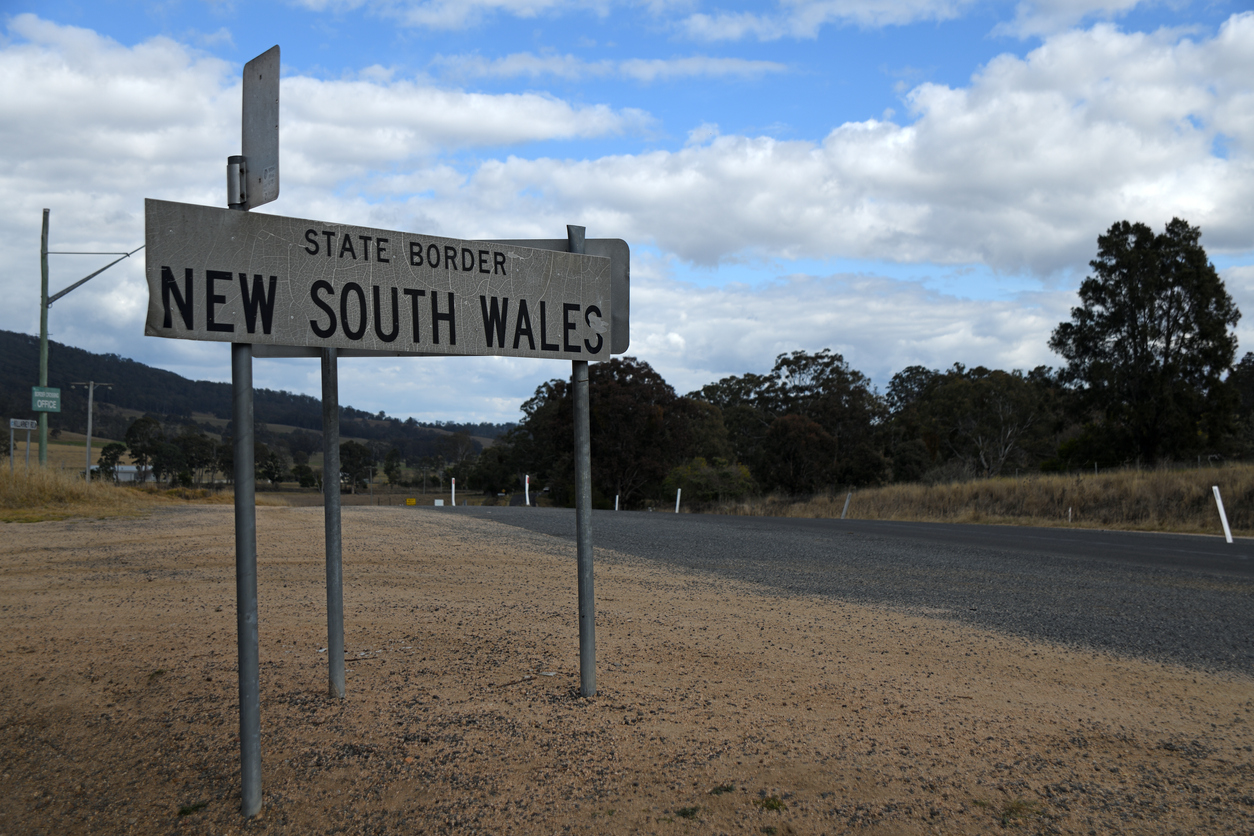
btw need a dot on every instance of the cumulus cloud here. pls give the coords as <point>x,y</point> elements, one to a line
<point>1018,170</point>
<point>530,65</point>
<point>695,335</point>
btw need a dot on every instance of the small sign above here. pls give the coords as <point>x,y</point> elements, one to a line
<point>260,127</point>
<point>23,424</point>
<point>229,276</point>
<point>45,399</point>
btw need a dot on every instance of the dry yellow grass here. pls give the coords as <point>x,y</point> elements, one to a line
<point>1143,500</point>
<point>38,494</point>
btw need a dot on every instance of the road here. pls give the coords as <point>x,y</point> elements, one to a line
<point>1172,598</point>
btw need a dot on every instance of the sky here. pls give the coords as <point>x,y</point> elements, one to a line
<point>919,182</point>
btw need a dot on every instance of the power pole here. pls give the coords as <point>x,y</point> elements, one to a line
<point>45,302</point>
<point>91,391</point>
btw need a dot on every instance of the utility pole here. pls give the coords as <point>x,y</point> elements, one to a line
<point>91,391</point>
<point>43,336</point>
<point>45,302</point>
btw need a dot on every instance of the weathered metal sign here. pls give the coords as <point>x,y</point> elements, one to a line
<point>45,399</point>
<point>23,424</point>
<point>230,276</point>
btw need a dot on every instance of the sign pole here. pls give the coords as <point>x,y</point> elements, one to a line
<point>331,520</point>
<point>43,336</point>
<point>246,579</point>
<point>575,236</point>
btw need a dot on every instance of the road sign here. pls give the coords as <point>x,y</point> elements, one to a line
<point>619,254</point>
<point>23,424</point>
<point>45,399</point>
<point>260,127</point>
<point>216,274</point>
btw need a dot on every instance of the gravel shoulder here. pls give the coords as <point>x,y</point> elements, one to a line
<point>724,706</point>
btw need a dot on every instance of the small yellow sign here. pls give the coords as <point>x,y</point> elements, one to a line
<point>411,501</point>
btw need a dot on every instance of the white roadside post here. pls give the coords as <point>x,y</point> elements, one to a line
<point>678,493</point>
<point>527,490</point>
<point>453,479</point>
<point>1223,517</point>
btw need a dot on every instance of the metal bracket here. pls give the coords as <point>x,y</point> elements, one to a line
<point>237,182</point>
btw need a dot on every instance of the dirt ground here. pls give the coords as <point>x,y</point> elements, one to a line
<point>722,708</point>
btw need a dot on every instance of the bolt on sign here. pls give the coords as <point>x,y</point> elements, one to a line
<point>217,274</point>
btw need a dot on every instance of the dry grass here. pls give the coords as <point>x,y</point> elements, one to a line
<point>1142,500</point>
<point>39,494</point>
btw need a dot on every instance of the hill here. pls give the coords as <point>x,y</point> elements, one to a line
<point>139,389</point>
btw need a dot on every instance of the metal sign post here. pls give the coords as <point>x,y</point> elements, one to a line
<point>331,521</point>
<point>583,509</point>
<point>20,424</point>
<point>261,92</point>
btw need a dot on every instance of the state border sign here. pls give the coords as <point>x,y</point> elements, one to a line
<point>222,275</point>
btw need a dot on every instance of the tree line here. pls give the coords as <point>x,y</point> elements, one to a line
<point>1149,376</point>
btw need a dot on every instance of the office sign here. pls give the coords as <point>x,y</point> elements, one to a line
<point>45,399</point>
<point>231,276</point>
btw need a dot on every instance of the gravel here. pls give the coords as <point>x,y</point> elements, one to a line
<point>1170,598</point>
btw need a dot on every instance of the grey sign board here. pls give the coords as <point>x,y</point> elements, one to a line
<point>23,424</point>
<point>228,276</point>
<point>260,127</point>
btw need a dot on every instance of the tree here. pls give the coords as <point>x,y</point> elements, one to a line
<point>110,454</point>
<point>1151,340</point>
<point>392,466</point>
<point>705,481</point>
<point>799,455</point>
<point>355,462</point>
<point>142,438</point>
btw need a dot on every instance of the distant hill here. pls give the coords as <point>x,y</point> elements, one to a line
<point>143,389</point>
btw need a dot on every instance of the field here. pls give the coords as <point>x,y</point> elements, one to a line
<point>722,707</point>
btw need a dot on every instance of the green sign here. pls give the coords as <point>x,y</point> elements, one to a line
<point>45,399</point>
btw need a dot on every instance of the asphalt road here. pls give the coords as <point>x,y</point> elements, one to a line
<point>1173,598</point>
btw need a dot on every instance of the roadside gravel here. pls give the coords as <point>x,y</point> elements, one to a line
<point>723,706</point>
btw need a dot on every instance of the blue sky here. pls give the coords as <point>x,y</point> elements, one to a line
<point>919,182</point>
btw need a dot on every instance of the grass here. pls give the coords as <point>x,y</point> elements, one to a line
<point>772,802</point>
<point>1142,500</point>
<point>42,494</point>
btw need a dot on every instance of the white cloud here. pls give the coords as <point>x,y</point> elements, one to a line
<point>1020,170</point>
<point>530,65</point>
<point>1046,17</point>
<point>804,18</point>
<point>695,335</point>
<point>454,14</point>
